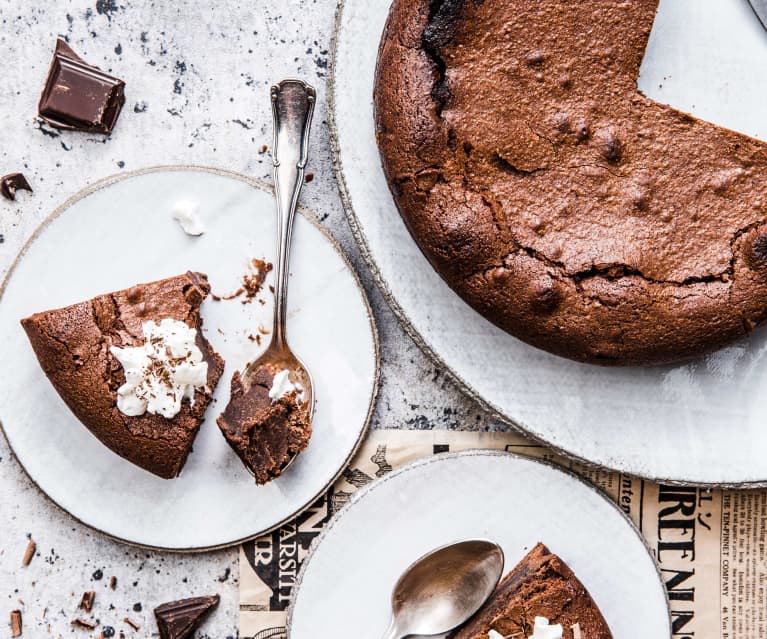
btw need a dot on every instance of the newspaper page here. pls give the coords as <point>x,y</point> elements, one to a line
<point>711,545</point>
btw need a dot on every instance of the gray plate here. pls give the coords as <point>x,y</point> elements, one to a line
<point>701,422</point>
<point>120,232</point>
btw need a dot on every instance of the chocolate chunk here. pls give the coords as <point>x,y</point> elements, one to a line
<point>759,250</point>
<point>11,183</point>
<point>611,150</point>
<point>78,96</point>
<point>179,619</point>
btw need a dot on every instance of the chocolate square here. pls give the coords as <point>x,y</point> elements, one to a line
<point>78,96</point>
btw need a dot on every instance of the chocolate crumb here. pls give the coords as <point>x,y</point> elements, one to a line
<point>113,582</point>
<point>98,574</point>
<point>29,553</point>
<point>309,177</point>
<point>131,623</point>
<point>84,624</point>
<point>136,606</point>
<point>86,601</point>
<point>11,183</point>
<point>264,148</point>
<point>16,624</point>
<point>107,632</point>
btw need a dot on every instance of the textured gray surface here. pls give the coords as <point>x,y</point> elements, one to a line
<point>197,76</point>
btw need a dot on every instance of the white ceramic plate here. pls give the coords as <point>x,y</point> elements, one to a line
<point>702,422</point>
<point>120,232</point>
<point>345,586</point>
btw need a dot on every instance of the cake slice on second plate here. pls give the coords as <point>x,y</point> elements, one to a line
<point>134,367</point>
<point>540,594</point>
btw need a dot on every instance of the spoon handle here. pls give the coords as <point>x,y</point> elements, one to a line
<point>292,110</point>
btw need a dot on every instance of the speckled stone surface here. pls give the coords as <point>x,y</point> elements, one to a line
<point>198,77</point>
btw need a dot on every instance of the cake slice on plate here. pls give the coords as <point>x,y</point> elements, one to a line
<point>134,367</point>
<point>540,599</point>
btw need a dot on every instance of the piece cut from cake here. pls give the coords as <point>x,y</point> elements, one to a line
<point>266,423</point>
<point>134,367</point>
<point>538,595</point>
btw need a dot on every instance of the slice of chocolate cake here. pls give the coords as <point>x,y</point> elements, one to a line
<point>134,367</point>
<point>538,595</point>
<point>268,423</point>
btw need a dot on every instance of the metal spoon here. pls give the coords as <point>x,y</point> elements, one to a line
<point>292,110</point>
<point>443,589</point>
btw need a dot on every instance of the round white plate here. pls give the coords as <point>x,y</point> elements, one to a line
<point>511,500</point>
<point>701,422</point>
<point>121,232</point>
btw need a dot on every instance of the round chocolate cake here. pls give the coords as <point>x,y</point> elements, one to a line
<point>558,201</point>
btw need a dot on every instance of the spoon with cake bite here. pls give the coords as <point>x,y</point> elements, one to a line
<point>268,418</point>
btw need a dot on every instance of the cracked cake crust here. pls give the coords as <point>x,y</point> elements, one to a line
<point>559,202</point>
<point>72,345</point>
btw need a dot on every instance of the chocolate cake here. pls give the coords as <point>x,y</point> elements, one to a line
<point>76,348</point>
<point>265,432</point>
<point>541,585</point>
<point>552,196</point>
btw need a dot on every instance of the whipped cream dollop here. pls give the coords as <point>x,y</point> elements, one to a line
<point>541,630</point>
<point>281,386</point>
<point>162,372</point>
<point>186,214</point>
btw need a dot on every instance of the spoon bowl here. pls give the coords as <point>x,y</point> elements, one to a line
<point>443,589</point>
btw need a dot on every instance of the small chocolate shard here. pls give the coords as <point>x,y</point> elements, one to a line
<point>11,183</point>
<point>86,601</point>
<point>29,553</point>
<point>16,624</point>
<point>179,619</point>
<point>113,582</point>
<point>131,623</point>
<point>78,96</point>
<point>84,624</point>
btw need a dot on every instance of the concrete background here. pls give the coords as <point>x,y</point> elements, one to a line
<point>198,77</point>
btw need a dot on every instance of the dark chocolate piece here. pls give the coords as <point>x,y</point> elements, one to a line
<point>78,96</point>
<point>11,183</point>
<point>179,619</point>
